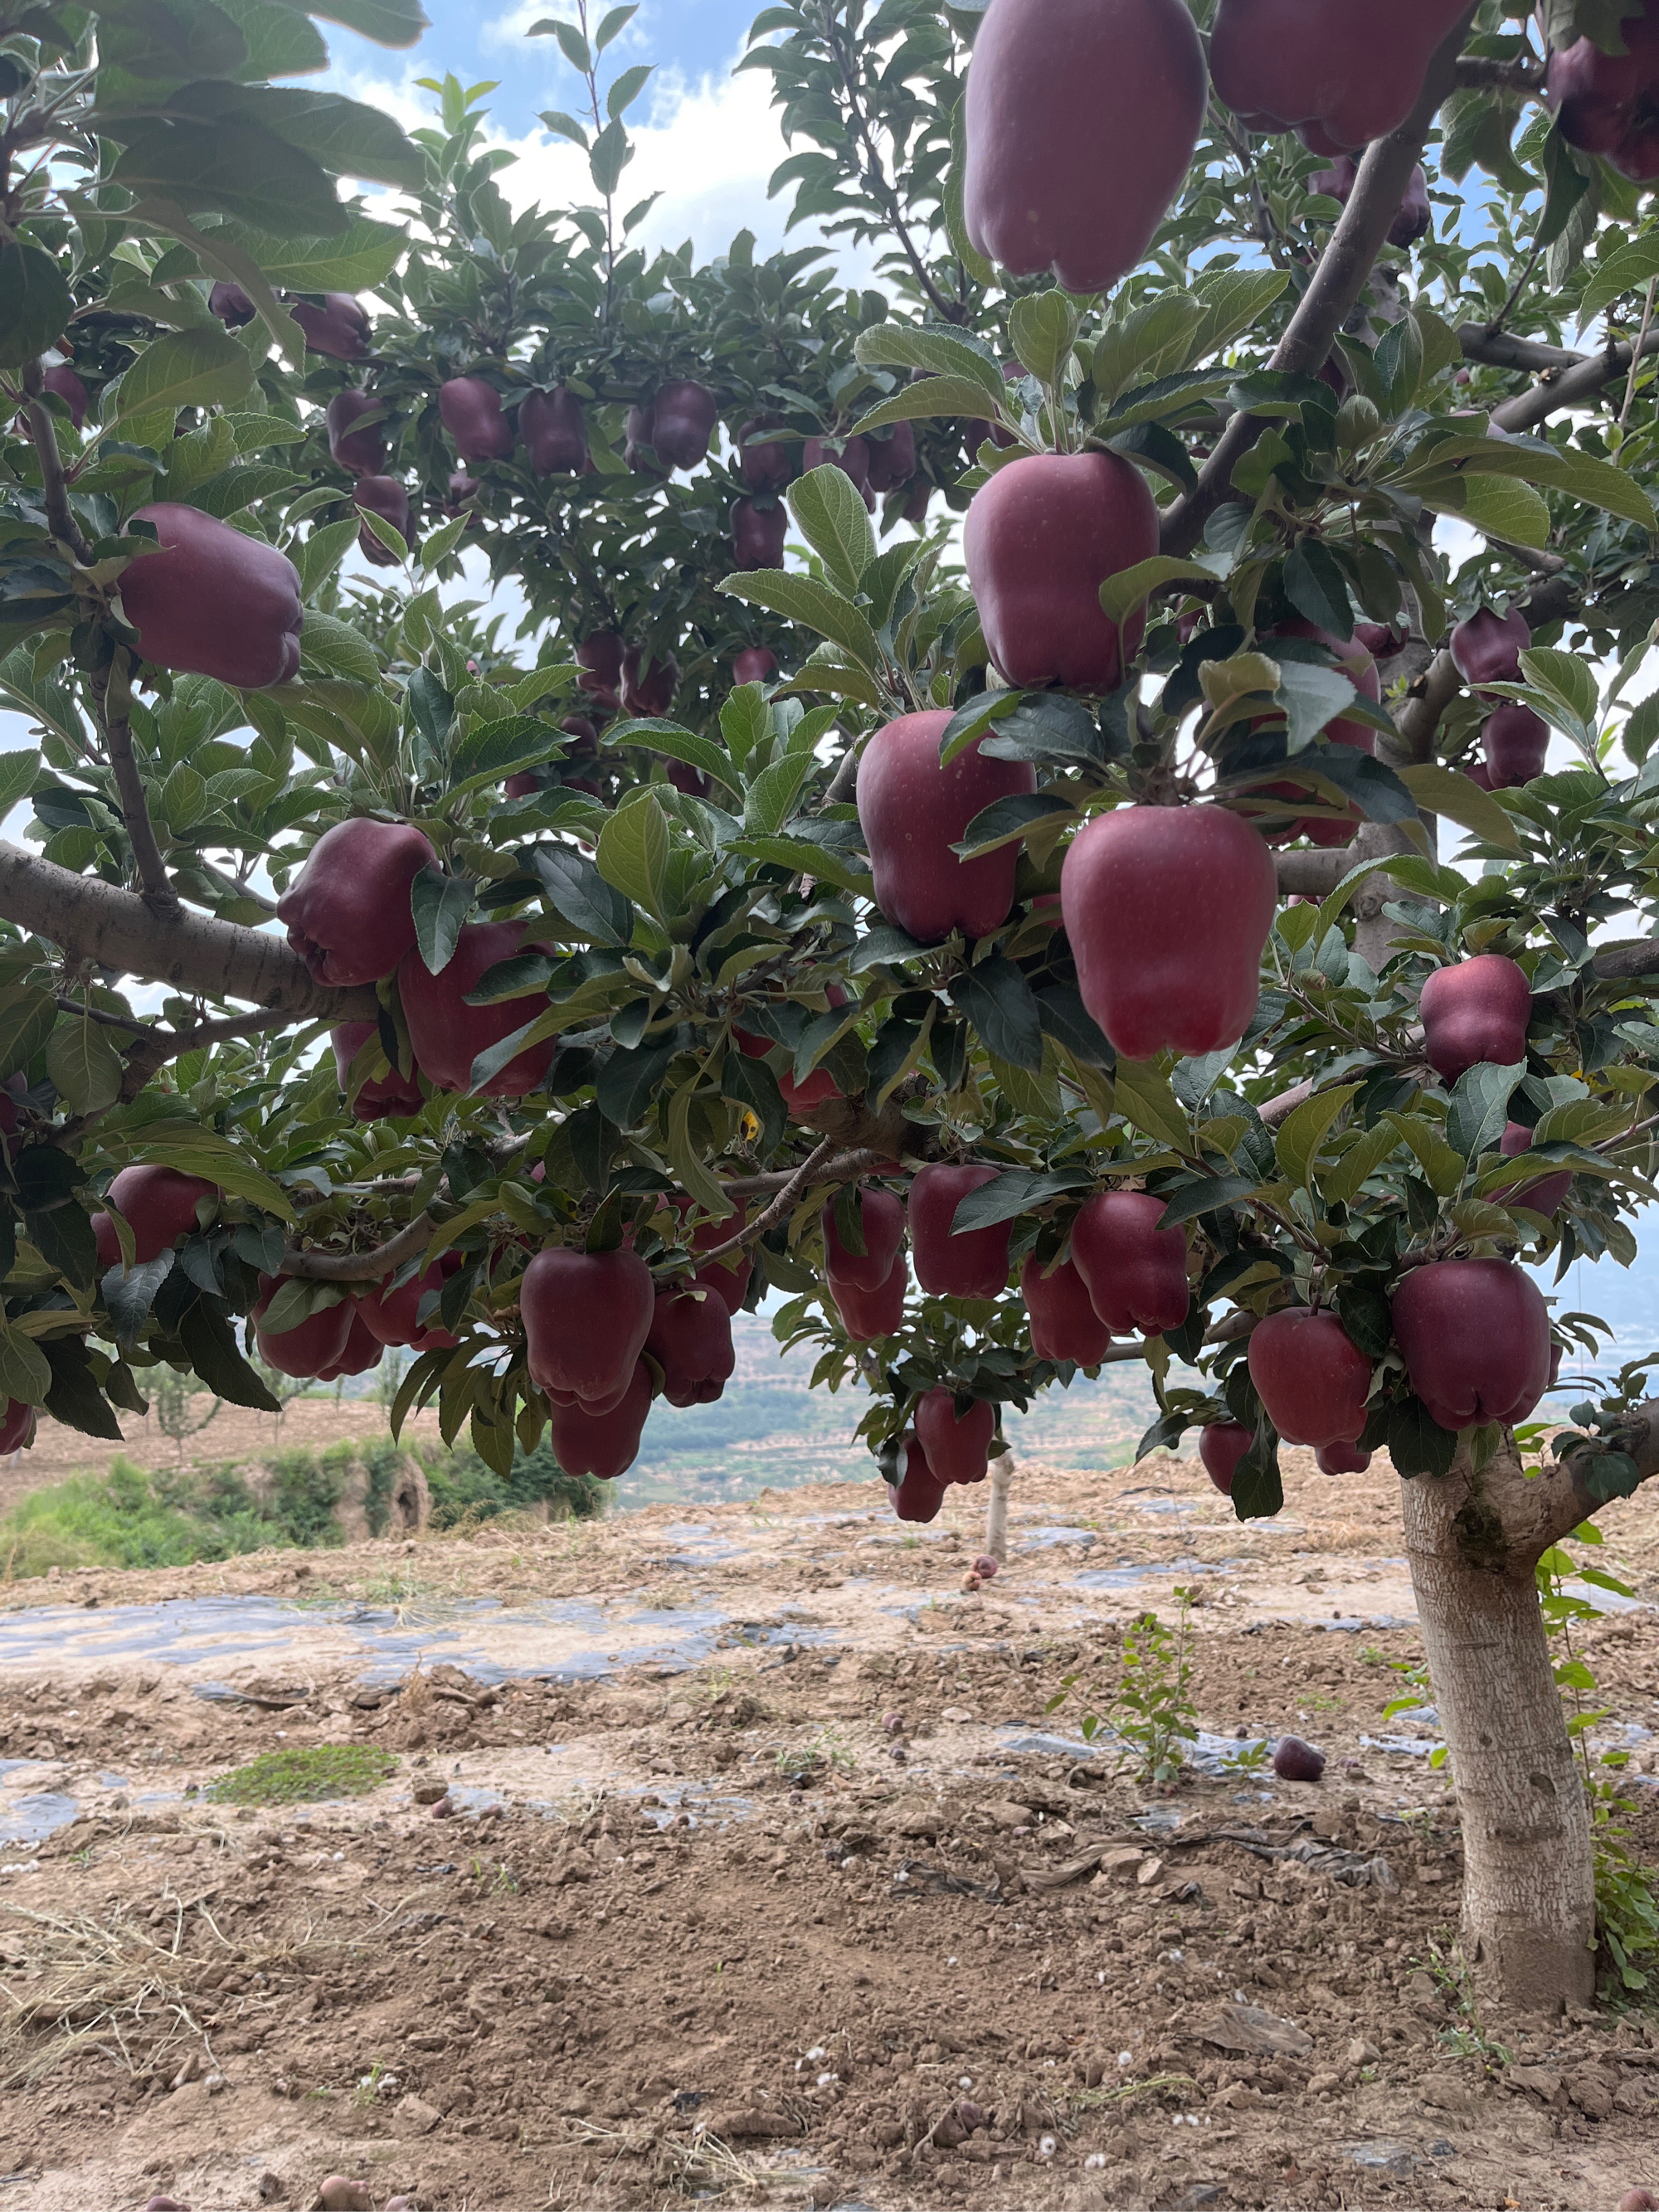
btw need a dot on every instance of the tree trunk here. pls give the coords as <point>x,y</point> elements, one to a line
<point>1528,1881</point>
<point>996,1507</point>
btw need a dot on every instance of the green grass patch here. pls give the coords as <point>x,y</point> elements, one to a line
<point>305,1776</point>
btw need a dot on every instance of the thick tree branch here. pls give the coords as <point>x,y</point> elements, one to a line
<point>804,1176</point>
<point>111,688</point>
<point>1476,71</point>
<point>1534,1512</point>
<point>1333,291</point>
<point>362,1267</point>
<point>1579,384</point>
<point>44,436</point>
<point>91,919</point>
<point>1313,874</point>
<point>1621,963</point>
<point>1501,349</point>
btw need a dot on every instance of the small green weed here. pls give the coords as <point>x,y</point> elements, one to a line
<point>1467,2037</point>
<point>306,1775</point>
<point>1150,1709</point>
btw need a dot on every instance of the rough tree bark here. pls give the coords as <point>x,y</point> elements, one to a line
<point>1473,1541</point>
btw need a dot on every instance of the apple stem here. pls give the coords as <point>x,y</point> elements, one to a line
<point>43,435</point>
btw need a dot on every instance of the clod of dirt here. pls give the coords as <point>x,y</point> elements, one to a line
<point>1295,1761</point>
<point>336,2194</point>
<point>271,2186</point>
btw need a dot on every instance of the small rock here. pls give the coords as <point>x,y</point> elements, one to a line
<point>1147,1872</point>
<point>429,1793</point>
<point>337,2194</point>
<point>918,1822</point>
<point>958,1716</point>
<point>1422,1988</point>
<point>1442,2096</point>
<point>1542,2080</point>
<point>270,2188</point>
<point>1007,1814</point>
<point>1123,1859</point>
<point>1362,2053</point>
<point>1247,2028</point>
<point>417,2115</point>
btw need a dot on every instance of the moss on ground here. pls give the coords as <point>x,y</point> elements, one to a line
<point>305,1776</point>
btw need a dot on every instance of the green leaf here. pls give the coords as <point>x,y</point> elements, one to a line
<point>956,220</point>
<point>440,905</point>
<point>1501,507</point>
<point>770,800</point>
<point>1145,1099</point>
<point>627,88</point>
<point>1002,1006</point>
<point>675,743</point>
<point>206,1333</point>
<point>615,20</point>
<point>28,1017</point>
<point>75,1398</point>
<point>1010,821</point>
<point>1628,269</point>
<point>1479,1112</point>
<point>1417,1442</point>
<point>25,1370</point>
<point>949,396</point>
<point>1566,678</point>
<point>363,256</point>
<point>687,1165</point>
<point>492,752</point>
<point>805,600</point>
<point>388,22</point>
<point>18,770</point>
<point>337,647</point>
<point>84,1065</point>
<point>830,514</point>
<point>576,889</point>
<point>1236,300</point>
<point>1363,1158</point>
<point>231,168</point>
<point>1130,588</point>
<point>942,352</point>
<point>186,368</point>
<point>633,854</point>
<point>1150,341</point>
<point>1043,327</point>
<point>1447,791</point>
<point>1316,588</point>
<point>1303,1131</point>
<point>35,302</point>
<point>1017,1191</point>
<point>195,1150</point>
<point>630,1080</point>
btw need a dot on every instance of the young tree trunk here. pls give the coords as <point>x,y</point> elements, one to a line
<point>1529,1886</point>
<point>996,1506</point>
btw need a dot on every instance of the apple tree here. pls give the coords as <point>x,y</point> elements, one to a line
<point>1101,895</point>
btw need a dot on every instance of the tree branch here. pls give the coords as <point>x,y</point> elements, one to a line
<point>44,436</point>
<point>1619,963</point>
<point>1539,1510</point>
<point>362,1267</point>
<point>801,1179</point>
<point>91,919</point>
<point>1334,292</point>
<point>111,689</point>
<point>1577,385</point>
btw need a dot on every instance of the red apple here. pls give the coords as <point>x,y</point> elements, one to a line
<point>1135,1271</point>
<point>348,912</point>
<point>587,1316</point>
<point>461,491</point>
<point>393,1317</point>
<point>869,1315</point>
<point>1515,741</point>
<point>472,413</point>
<point>214,601</point>
<point>320,1341</point>
<point>160,1206</point>
<point>892,460</point>
<point>1360,669</point>
<point>389,499</point>
<point>1487,648</point>
<point>1083,119</point>
<point>852,458</point>
<point>800,1098</point>
<point>754,665</point>
<point>61,380</point>
<point>1475,1338</point>
<point>362,1351</point>
<point>1414,215</point>
<point>1311,1376</point>
<point>1221,1446</point>
<point>1477,772</point>
<point>683,419</point>
<point>1382,641</point>
<point>970,1265</point>
<point>1548,1194</point>
<point>555,432</point>
<point>1604,103</point>
<point>1040,539</point>
<point>360,450</point>
<point>957,1446</point>
<point>600,658</point>
<point>690,1340</point>
<point>649,682</point>
<point>758,534</point>
<point>913,810</point>
<point>1168,909</point>
<point>728,1279</point>
<point>339,327</point>
<point>231,303</point>
<point>1342,1459</point>
<point>882,1215</point>
<point>16,1427</point>
<point>919,1494</point>
<point>1295,1761</point>
<point>638,451</point>
<point>605,1445</point>
<point>1475,1011</point>
<point>448,1035</point>
<point>1064,1323</point>
<point>763,464</point>
<point>1342,71</point>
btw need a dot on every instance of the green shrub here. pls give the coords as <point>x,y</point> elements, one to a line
<point>465,1491</point>
<point>306,1775</point>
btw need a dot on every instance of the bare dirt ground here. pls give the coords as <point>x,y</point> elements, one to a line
<point>750,1859</point>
